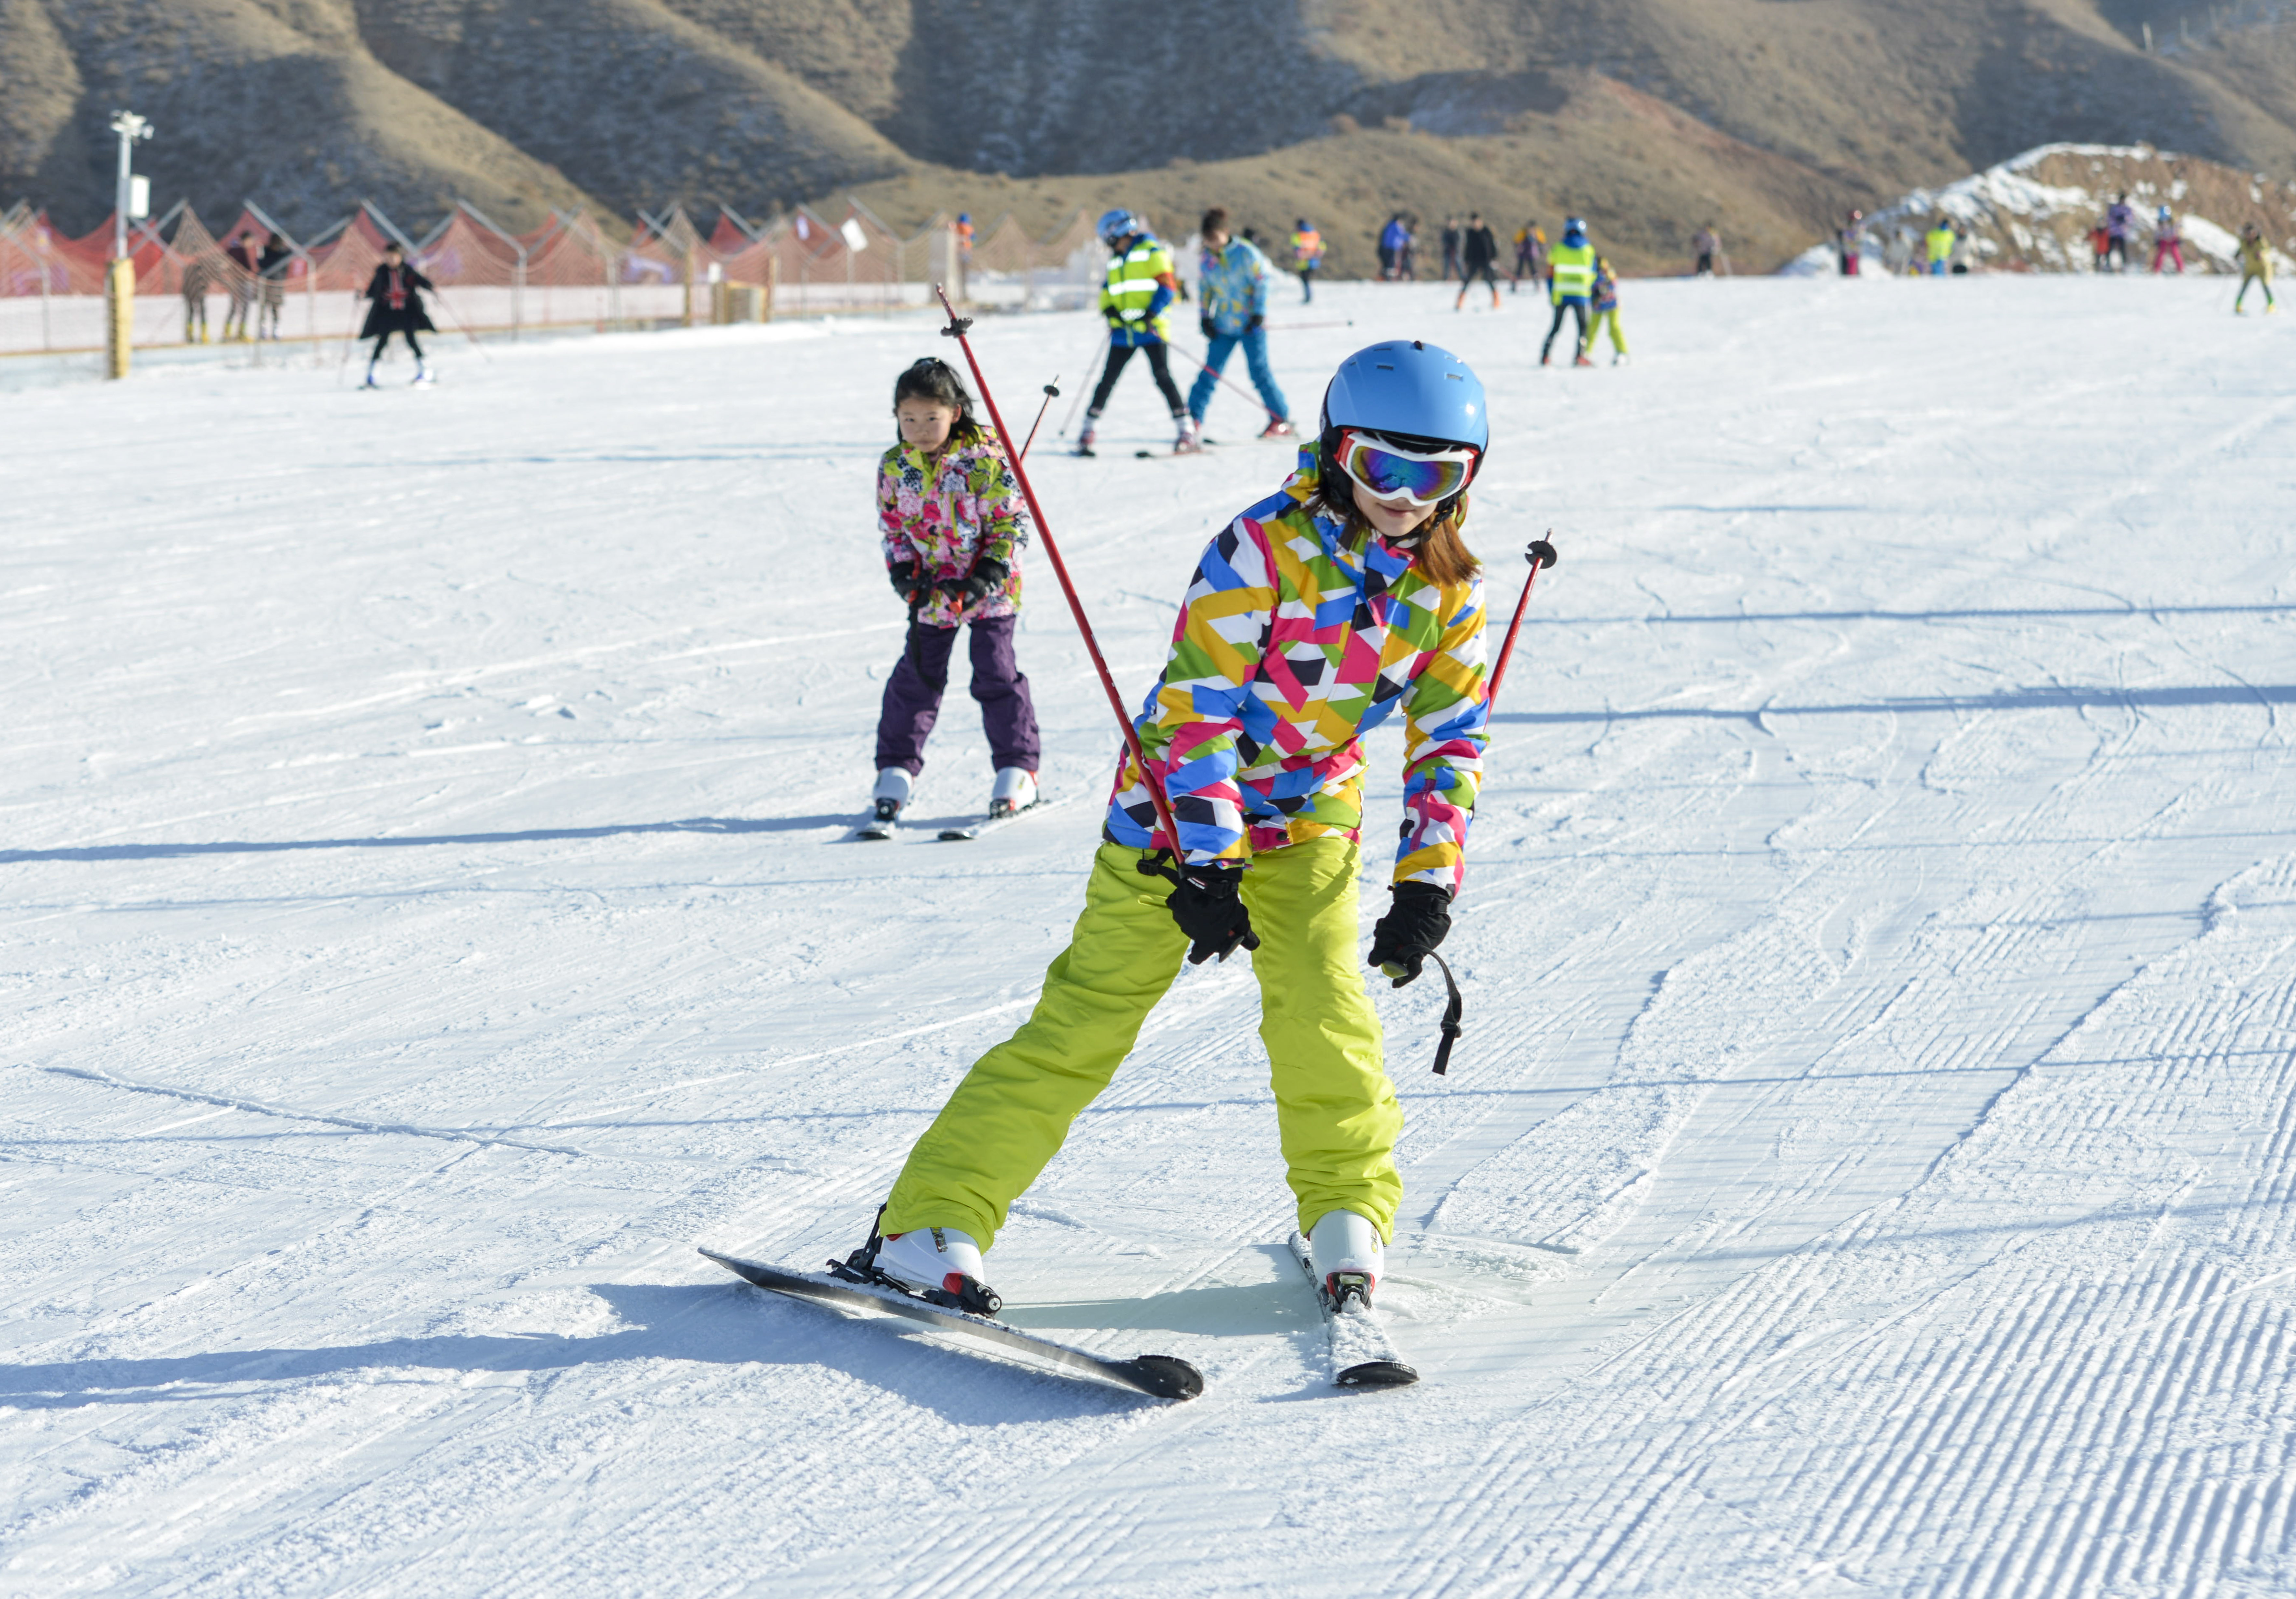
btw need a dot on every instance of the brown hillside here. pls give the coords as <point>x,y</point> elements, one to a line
<point>1646,114</point>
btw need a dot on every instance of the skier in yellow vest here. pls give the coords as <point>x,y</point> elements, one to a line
<point>2255,268</point>
<point>1569,282</point>
<point>1936,246</point>
<point>1139,289</point>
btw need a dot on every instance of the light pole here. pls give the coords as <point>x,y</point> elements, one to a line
<point>119,282</point>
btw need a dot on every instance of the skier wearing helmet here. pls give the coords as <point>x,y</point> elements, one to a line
<point>1570,284</point>
<point>1139,288</point>
<point>1344,597</point>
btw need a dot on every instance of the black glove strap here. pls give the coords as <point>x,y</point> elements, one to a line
<point>1453,1012</point>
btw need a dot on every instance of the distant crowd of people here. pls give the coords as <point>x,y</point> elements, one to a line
<point>1472,252</point>
<point>1948,248</point>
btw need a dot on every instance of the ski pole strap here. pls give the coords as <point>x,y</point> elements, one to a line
<point>1453,1012</point>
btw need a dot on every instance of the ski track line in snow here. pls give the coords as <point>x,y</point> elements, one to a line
<point>258,1108</point>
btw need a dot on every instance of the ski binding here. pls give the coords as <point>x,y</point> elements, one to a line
<point>1363,1356</point>
<point>1160,1376</point>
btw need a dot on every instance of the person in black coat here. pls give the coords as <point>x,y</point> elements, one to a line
<point>396,307</point>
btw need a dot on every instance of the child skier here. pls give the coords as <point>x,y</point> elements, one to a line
<point>953,525</point>
<point>2255,268</point>
<point>396,307</point>
<point>2167,241</point>
<point>1344,596</point>
<point>1138,290</point>
<point>1307,256</point>
<point>1606,312</point>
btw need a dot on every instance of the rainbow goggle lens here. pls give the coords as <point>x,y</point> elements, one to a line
<point>1392,474</point>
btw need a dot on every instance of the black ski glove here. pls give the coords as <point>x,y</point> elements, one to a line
<point>987,574</point>
<point>1255,325</point>
<point>1415,924</point>
<point>904,574</point>
<point>1115,318</point>
<point>1204,325</point>
<point>1208,906</point>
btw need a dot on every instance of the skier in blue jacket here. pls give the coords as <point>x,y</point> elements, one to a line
<point>1232,288</point>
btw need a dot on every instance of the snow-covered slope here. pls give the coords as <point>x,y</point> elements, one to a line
<point>2033,213</point>
<point>1866,1170</point>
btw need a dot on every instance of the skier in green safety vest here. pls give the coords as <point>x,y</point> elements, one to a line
<point>1569,282</point>
<point>1139,288</point>
<point>1936,246</point>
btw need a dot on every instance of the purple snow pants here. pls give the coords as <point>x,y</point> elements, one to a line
<point>913,696</point>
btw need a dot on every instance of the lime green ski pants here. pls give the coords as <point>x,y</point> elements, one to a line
<point>1335,1108</point>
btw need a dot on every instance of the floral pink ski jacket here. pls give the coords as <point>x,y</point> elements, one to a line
<point>949,516</point>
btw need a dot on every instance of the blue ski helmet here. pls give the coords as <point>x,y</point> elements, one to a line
<point>1411,393</point>
<point>1408,388</point>
<point>1117,226</point>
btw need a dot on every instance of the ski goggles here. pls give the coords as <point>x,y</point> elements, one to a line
<point>1390,472</point>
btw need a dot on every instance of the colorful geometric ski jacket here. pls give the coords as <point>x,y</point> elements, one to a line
<point>1232,285</point>
<point>950,514</point>
<point>1289,647</point>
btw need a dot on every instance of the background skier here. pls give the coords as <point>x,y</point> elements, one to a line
<point>246,257</point>
<point>952,523</point>
<point>1307,256</point>
<point>395,306</point>
<point>1138,290</point>
<point>1393,240</point>
<point>1478,257</point>
<point>1705,244</point>
<point>1605,295</point>
<point>2119,223</point>
<point>1937,246</point>
<point>1570,279</point>
<point>2167,241</point>
<point>1356,568</point>
<point>2255,268</point>
<point>271,268</point>
<point>1232,310</point>
<point>1530,255</point>
<point>1849,243</point>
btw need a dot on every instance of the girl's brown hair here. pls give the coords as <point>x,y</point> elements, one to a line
<point>1440,551</point>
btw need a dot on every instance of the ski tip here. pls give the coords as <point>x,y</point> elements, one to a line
<point>1377,1374</point>
<point>1143,455</point>
<point>958,835</point>
<point>1166,1376</point>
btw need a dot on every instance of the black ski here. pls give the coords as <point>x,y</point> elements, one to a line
<point>1363,1356</point>
<point>1162,1376</point>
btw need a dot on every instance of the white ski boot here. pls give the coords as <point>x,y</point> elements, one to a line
<point>1349,1256</point>
<point>887,803</point>
<point>1014,792</point>
<point>369,383</point>
<point>1190,439</point>
<point>938,1263</point>
<point>1085,439</point>
<point>422,378</point>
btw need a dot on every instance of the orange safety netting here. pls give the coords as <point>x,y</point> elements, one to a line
<point>567,269</point>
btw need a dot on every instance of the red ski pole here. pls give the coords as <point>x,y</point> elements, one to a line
<point>957,328</point>
<point>1540,553</point>
<point>1052,393</point>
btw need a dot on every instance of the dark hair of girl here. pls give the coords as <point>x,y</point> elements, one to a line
<point>933,379</point>
<point>1438,547</point>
